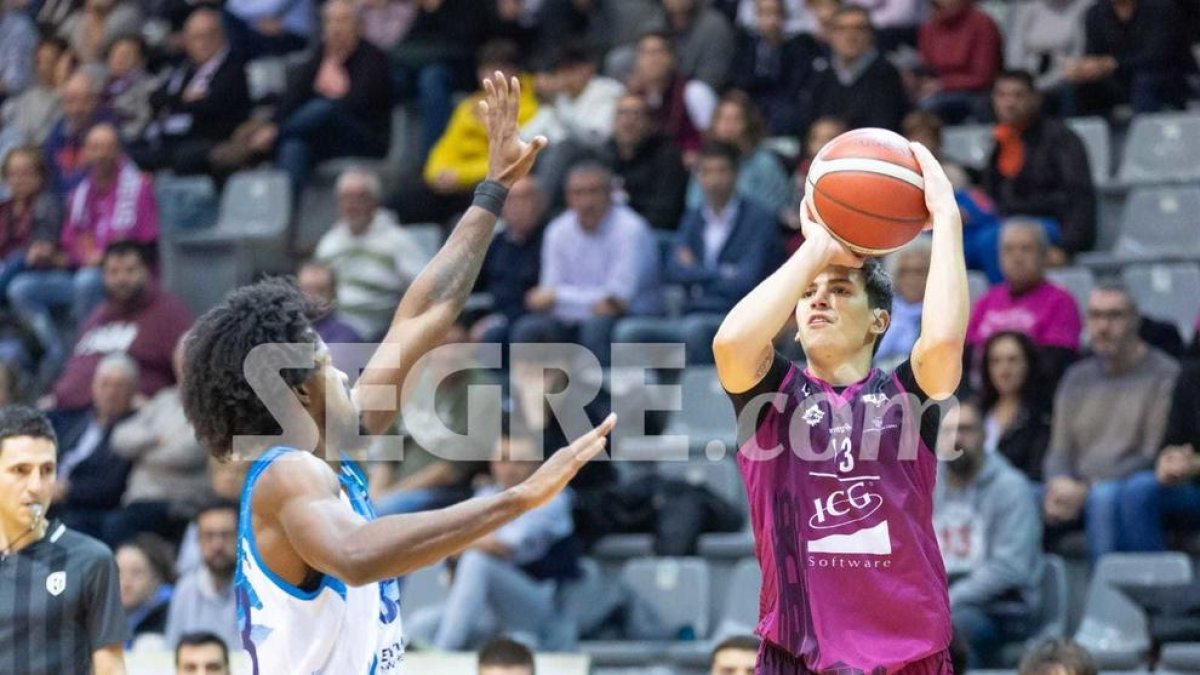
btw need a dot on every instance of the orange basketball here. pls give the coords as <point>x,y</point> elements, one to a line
<point>866,187</point>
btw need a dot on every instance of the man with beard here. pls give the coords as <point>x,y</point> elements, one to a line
<point>204,599</point>
<point>990,534</point>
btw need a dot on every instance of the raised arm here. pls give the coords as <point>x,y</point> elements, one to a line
<point>937,355</point>
<point>436,296</point>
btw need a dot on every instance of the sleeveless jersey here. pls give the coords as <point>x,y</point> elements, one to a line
<point>334,629</point>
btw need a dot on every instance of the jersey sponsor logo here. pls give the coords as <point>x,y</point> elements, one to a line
<point>875,399</point>
<point>813,415</point>
<point>56,583</point>
<point>843,507</point>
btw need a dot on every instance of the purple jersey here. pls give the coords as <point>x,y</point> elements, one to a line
<point>841,500</point>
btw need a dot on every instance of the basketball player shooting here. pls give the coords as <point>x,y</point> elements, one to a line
<point>315,583</point>
<point>853,580</point>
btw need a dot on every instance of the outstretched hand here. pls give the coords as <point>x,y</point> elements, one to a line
<point>509,157</point>
<point>558,469</point>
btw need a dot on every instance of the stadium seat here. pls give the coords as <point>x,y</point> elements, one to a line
<point>1160,221</point>
<point>1052,620</point>
<point>1162,148</point>
<point>969,145</point>
<point>1079,281</point>
<point>1093,131</point>
<point>1180,657</point>
<point>738,616</point>
<point>256,203</point>
<point>266,78</point>
<point>1169,292</point>
<point>977,285</point>
<point>624,546</point>
<point>1113,628</point>
<point>722,477</point>
<point>727,544</point>
<point>707,412</point>
<point>186,202</point>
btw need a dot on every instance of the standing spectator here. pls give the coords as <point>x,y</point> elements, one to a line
<point>735,656</point>
<point>990,535</point>
<point>599,263</point>
<point>858,85</point>
<point>1136,52</point>
<point>340,104</point>
<point>30,217</point>
<point>1040,168</point>
<point>91,28</point>
<point>961,47</point>
<point>703,39</point>
<point>129,86</point>
<point>909,270</point>
<point>1043,37</point>
<point>373,258</point>
<point>774,67</point>
<point>648,163</point>
<point>203,600</point>
<point>137,318</point>
<point>202,654</point>
<point>513,262</point>
<point>18,40</point>
<point>505,657</point>
<point>319,282</point>
<point>1109,416</point>
<point>722,250</point>
<point>682,107</point>
<point>761,178</point>
<point>269,27</point>
<point>86,615</point>
<point>146,575</point>
<point>29,116</point>
<point>1014,402</point>
<point>64,146</point>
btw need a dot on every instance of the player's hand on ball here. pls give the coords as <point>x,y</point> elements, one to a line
<point>558,469</point>
<point>939,193</point>
<point>819,236</point>
<point>509,157</point>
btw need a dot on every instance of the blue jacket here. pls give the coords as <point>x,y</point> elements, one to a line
<point>751,252</point>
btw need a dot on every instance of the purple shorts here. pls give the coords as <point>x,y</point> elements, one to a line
<point>774,660</point>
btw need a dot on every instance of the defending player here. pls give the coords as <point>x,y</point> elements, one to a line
<point>839,471</point>
<point>315,584</point>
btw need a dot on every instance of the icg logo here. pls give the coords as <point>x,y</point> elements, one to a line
<point>843,507</point>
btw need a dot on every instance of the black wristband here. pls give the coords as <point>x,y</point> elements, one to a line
<point>490,196</point>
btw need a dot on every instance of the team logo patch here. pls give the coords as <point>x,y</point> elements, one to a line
<point>56,583</point>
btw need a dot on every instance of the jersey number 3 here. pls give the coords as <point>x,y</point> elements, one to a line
<point>846,456</point>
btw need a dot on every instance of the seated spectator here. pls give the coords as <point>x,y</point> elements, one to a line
<point>144,567</point>
<point>203,600</point>
<point>924,127</point>
<point>1042,37</point>
<point>339,105</point>
<point>30,217</point>
<point>736,655</point>
<point>225,483</point>
<point>513,262</point>
<point>1026,302</point>
<point>722,250</point>
<point>374,259</point>
<point>800,16</point>
<point>1057,657</point>
<point>200,103</point>
<point>202,654</point>
<point>704,41</point>
<point>680,106</point>
<point>1135,52</point>
<point>1015,403</point>
<point>18,40</point>
<point>274,27</point>
<point>29,116</point>
<point>91,476</point>
<point>909,270</point>
<point>961,52</point>
<point>92,27</point>
<point>857,85</point>
<point>458,162</point>
<point>990,534</point>
<point>1040,168</point>
<point>64,147</point>
<point>599,263</point>
<point>137,318</point>
<point>580,104</point>
<point>648,164</point>
<point>774,67</point>
<point>505,657</point>
<point>386,23</point>
<point>129,86</point>
<point>761,178</point>
<point>1109,414</point>
<point>896,22</point>
<point>319,282</point>
<point>169,475</point>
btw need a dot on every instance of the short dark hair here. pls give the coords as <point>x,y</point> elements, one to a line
<point>504,652</point>
<point>571,54</point>
<point>134,38</point>
<point>199,639</point>
<point>499,52</point>
<point>21,420</point>
<point>1055,656</point>
<point>126,247</point>
<point>659,34</point>
<point>854,9</point>
<point>720,150</point>
<point>741,643</point>
<point>53,41</point>
<point>218,504</point>
<point>1017,75</point>
<point>158,551</point>
<point>217,398</point>
<point>878,284</point>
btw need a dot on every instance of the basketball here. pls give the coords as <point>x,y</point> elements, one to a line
<point>866,187</point>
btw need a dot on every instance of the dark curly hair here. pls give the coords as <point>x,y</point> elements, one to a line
<point>217,398</point>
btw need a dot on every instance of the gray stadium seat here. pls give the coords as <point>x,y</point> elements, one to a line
<point>1180,657</point>
<point>1169,292</point>
<point>1079,281</point>
<point>722,477</point>
<point>1113,628</point>
<point>1162,148</point>
<point>266,78</point>
<point>624,546</point>
<point>1093,131</point>
<point>969,145</point>
<point>740,615</point>
<point>256,203</point>
<point>1052,620</point>
<point>977,285</point>
<point>1163,220</point>
<point>707,412</point>
<point>727,544</point>
<point>186,202</point>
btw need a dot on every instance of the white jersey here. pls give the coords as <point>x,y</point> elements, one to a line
<point>333,629</point>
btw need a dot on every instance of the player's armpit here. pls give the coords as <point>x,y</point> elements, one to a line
<point>109,660</point>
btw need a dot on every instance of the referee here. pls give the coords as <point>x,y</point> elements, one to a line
<point>60,601</point>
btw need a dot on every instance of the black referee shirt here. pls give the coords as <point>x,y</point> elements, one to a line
<point>59,602</point>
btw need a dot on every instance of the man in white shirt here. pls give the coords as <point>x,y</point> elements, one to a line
<point>203,600</point>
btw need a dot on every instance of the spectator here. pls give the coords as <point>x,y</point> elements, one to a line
<point>1015,405</point>
<point>204,598</point>
<point>774,67</point>
<point>91,476</point>
<point>736,655</point>
<point>581,105</point>
<point>200,103</point>
<point>1040,168</point>
<point>30,217</point>
<point>722,250</point>
<point>1109,415</point>
<point>18,40</point>
<point>990,535</point>
<point>800,16</point>
<point>505,657</point>
<point>924,127</point>
<point>820,132</point>
<point>761,178</point>
<point>340,104</point>
<point>129,86</point>
<point>225,482</point>
<point>1026,302</point>
<point>1136,52</point>
<point>895,21</point>
<point>961,50</point>
<point>513,261</point>
<point>858,85</point>
<point>598,264</point>
<point>648,163</point>
<point>703,39</point>
<point>64,146</point>
<point>374,259</point>
<point>201,654</point>
<point>91,28</point>
<point>909,271</point>
<point>274,27</point>
<point>29,116</point>
<point>1057,657</point>
<point>145,568</point>
<point>680,106</point>
<point>169,474</point>
<point>386,23</point>
<point>1042,38</point>
<point>319,282</point>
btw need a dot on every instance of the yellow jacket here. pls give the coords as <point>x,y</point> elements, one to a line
<point>463,147</point>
